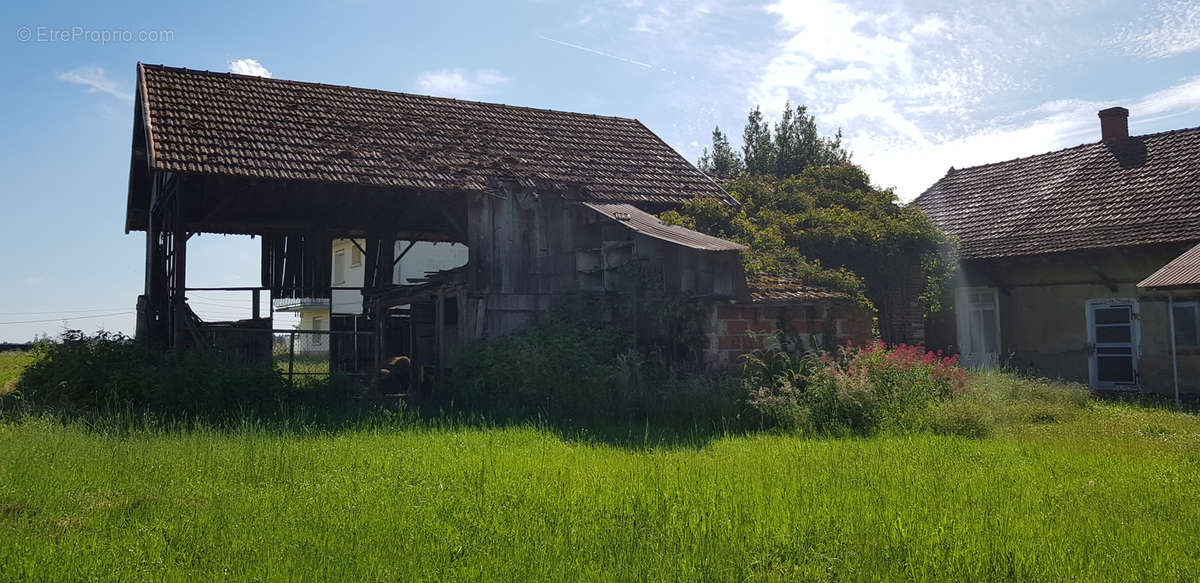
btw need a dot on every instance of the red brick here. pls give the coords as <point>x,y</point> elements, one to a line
<point>736,327</point>
<point>728,312</point>
<point>765,326</point>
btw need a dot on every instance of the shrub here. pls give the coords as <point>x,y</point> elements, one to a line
<point>861,390</point>
<point>109,372</point>
<point>554,366</point>
<point>1016,398</point>
<point>571,369</point>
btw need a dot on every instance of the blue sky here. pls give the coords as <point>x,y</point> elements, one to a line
<point>915,86</point>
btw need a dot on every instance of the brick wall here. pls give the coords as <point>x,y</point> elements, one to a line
<point>901,318</point>
<point>815,324</point>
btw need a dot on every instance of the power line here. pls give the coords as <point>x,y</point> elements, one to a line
<point>59,312</point>
<point>67,319</point>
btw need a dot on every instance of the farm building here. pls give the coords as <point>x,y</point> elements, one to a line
<point>1053,248</point>
<point>548,204</point>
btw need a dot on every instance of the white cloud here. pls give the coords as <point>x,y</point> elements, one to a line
<point>96,81</point>
<point>932,25</point>
<point>1171,28</point>
<point>652,22</point>
<point>248,67</point>
<point>832,52</point>
<point>918,87</point>
<point>914,162</point>
<point>459,83</point>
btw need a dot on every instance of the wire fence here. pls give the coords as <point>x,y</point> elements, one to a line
<point>297,353</point>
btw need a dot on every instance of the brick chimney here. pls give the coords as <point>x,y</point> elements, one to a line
<point>1114,123</point>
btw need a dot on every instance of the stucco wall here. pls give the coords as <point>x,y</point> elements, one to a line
<point>1043,313</point>
<point>313,319</point>
<point>347,301</point>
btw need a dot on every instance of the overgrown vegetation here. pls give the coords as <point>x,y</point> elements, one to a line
<point>827,226</point>
<point>861,390</point>
<point>1003,477</point>
<point>1060,489</point>
<point>808,213</point>
<point>1004,399</point>
<point>633,358</point>
<point>107,374</point>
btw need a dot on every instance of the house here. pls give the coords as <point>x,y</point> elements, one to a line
<point>549,205</point>
<point>1053,248</point>
<point>414,260</point>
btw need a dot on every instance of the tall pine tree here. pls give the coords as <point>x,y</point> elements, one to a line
<point>758,150</point>
<point>799,145</point>
<point>723,161</point>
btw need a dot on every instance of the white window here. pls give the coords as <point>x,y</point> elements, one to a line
<point>355,256</point>
<point>339,266</point>
<point>1187,324</point>
<point>318,323</point>
<point>978,322</point>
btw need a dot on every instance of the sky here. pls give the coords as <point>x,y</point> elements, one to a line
<point>915,87</point>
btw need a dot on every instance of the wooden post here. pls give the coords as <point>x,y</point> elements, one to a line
<point>439,330</point>
<point>256,299</point>
<point>180,276</point>
<point>381,339</point>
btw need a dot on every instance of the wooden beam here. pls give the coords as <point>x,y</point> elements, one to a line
<point>179,280</point>
<point>402,254</point>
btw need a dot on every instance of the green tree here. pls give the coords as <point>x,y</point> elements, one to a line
<point>799,145</point>
<point>758,149</point>
<point>723,161</point>
<point>827,226</point>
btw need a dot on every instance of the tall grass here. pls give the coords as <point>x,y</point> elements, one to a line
<point>1106,492</point>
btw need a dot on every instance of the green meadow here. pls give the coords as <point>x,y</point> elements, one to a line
<point>1059,487</point>
<point>11,364</point>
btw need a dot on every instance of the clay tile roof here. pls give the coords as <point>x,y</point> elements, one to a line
<point>1136,191</point>
<point>649,225</point>
<point>221,123</point>
<point>766,288</point>
<point>1183,271</point>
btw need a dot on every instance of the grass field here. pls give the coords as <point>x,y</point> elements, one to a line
<point>11,364</point>
<point>1060,489</point>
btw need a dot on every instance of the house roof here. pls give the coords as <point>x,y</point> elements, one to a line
<point>1120,193</point>
<point>225,124</point>
<point>1183,271</point>
<point>765,289</point>
<point>649,225</point>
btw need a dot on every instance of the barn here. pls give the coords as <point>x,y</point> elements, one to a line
<point>549,204</point>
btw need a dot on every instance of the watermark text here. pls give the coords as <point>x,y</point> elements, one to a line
<point>83,34</point>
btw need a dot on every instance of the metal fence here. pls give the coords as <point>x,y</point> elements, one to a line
<point>296,353</point>
<point>300,353</point>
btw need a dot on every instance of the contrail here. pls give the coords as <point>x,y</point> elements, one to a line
<point>596,52</point>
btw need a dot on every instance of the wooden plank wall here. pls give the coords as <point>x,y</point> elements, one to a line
<point>524,253</point>
<point>522,257</point>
